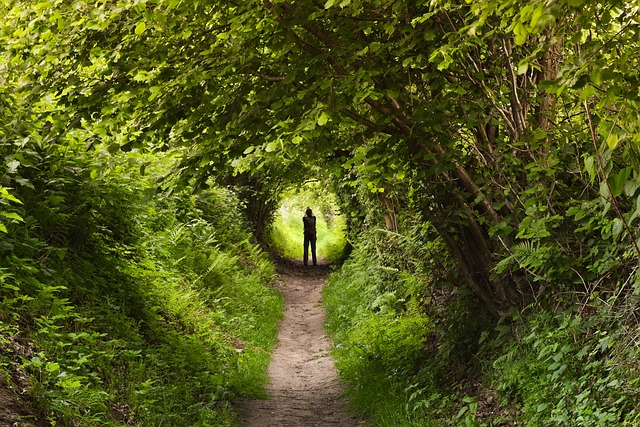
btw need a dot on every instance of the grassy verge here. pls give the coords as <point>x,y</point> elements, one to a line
<point>125,311</point>
<point>415,354</point>
<point>376,350</point>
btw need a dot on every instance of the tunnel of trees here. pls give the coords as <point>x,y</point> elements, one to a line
<point>484,155</point>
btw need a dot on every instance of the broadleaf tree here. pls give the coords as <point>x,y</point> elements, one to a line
<point>506,124</point>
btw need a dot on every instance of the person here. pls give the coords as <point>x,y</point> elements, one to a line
<point>309,222</point>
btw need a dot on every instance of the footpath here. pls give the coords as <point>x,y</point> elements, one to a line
<point>304,389</point>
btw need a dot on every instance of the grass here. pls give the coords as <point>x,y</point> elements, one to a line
<point>166,331</point>
<point>374,348</point>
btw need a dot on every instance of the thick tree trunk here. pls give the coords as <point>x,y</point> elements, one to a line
<point>473,270</point>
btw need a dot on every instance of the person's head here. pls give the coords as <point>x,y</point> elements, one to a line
<point>308,212</point>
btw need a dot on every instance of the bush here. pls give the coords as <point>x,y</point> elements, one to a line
<point>569,369</point>
<point>118,309</point>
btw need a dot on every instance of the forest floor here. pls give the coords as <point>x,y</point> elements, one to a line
<point>304,389</point>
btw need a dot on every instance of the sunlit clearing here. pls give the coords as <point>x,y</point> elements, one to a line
<point>287,231</point>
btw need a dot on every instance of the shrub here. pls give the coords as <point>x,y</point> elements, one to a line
<point>118,309</point>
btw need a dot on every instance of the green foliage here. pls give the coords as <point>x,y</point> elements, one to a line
<point>403,337</point>
<point>543,367</point>
<point>118,309</point>
<point>507,129</point>
<point>368,343</point>
<point>473,113</point>
<point>6,201</point>
<point>568,368</point>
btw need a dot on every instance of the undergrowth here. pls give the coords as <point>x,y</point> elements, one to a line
<point>415,351</point>
<point>403,363</point>
<point>573,367</point>
<point>121,310</point>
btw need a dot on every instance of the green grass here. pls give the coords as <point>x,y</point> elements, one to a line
<point>167,330</point>
<point>375,348</point>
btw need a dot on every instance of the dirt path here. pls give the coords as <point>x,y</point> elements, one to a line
<point>304,388</point>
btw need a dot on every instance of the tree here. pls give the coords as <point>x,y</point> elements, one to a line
<point>480,112</point>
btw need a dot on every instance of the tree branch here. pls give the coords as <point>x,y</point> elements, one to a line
<point>268,77</point>
<point>364,121</point>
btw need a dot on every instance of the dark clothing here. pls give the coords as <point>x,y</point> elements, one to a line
<point>309,239</point>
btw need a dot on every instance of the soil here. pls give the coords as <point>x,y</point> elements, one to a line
<point>13,410</point>
<point>304,389</point>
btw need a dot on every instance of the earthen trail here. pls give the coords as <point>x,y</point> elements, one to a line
<point>304,389</point>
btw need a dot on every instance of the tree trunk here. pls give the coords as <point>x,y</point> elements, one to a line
<point>388,213</point>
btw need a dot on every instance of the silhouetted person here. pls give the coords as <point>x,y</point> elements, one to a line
<point>309,222</point>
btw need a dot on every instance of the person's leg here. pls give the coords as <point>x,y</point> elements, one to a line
<point>313,250</point>
<point>306,249</point>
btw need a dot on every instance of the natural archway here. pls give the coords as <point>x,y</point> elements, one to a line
<point>484,153</point>
<point>286,232</point>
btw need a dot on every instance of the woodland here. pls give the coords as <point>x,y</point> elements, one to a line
<point>480,160</point>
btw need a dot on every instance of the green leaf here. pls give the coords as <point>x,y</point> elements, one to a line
<point>587,92</point>
<point>323,119</point>
<point>113,148</point>
<point>631,186</point>
<point>590,167</point>
<point>521,34</point>
<point>523,67</point>
<point>4,194</point>
<point>536,15</point>
<point>25,183</point>
<point>462,411</point>
<point>329,3</point>
<point>272,146</point>
<point>3,228</point>
<point>606,342</point>
<point>69,383</point>
<point>617,227</point>
<point>618,180</point>
<point>13,166</point>
<point>12,215</point>
<point>612,140</point>
<point>52,367</point>
<point>54,200</point>
<point>173,3</point>
<point>604,190</point>
<point>140,28</point>
<point>156,91</point>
